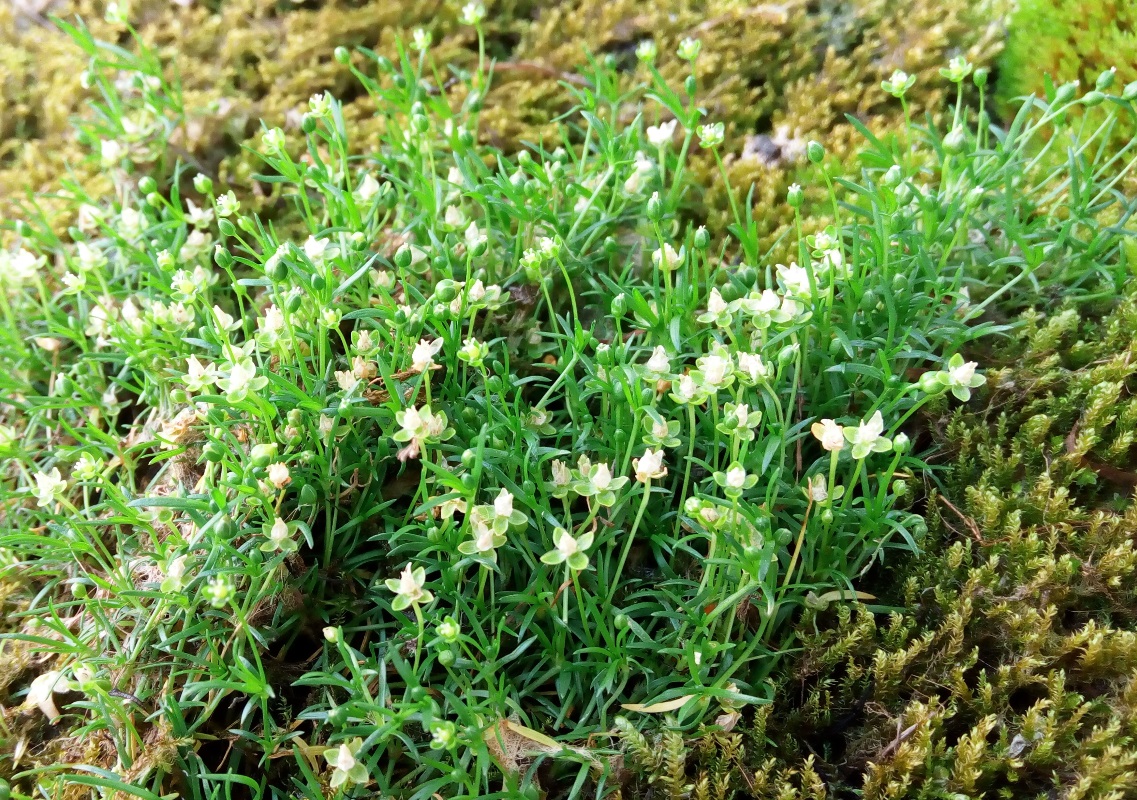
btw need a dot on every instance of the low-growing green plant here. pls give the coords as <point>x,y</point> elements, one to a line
<point>504,448</point>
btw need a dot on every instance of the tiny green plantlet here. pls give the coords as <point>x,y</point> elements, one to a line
<point>423,480</point>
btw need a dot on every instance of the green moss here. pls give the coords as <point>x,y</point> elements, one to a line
<point>778,75</point>
<point>1011,668</point>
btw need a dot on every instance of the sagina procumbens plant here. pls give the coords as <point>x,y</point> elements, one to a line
<point>416,486</point>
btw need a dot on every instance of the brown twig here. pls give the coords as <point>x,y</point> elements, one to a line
<point>968,521</point>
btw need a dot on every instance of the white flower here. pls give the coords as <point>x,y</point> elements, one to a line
<point>649,466</point>
<point>711,135</point>
<point>111,152</point>
<point>316,249</point>
<point>715,304</point>
<point>408,588</point>
<point>20,267</point>
<point>473,236</point>
<point>666,258</point>
<point>646,50</point>
<point>795,280</point>
<point>473,13</point>
<point>961,377</point>
<point>273,140</point>
<point>503,504</point>
<point>241,379</point>
<point>279,538</point>
<point>88,467</point>
<point>198,217</point>
<point>686,391</point>
<point>752,368</point>
<point>830,434</point>
<point>568,550</point>
<point>474,352</point>
<point>367,189</point>
<point>346,767</point>
<point>659,363</point>
<point>422,357</point>
<point>49,486</point>
<point>227,204</point>
<point>199,375</point>
<point>346,379</point>
<point>321,104</point>
<point>420,39</point>
<point>736,477</point>
<point>689,49</point>
<point>454,217</point>
<point>716,368</point>
<point>867,437</point>
<point>660,135</point>
<point>278,475</point>
<point>41,690</point>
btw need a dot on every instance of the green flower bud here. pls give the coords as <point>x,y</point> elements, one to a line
<point>342,55</point>
<point>1105,80</point>
<point>226,227</point>
<point>1094,98</point>
<point>690,85</point>
<point>262,454</point>
<point>146,185</point>
<point>900,444</point>
<point>202,184</point>
<point>446,658</point>
<point>815,152</point>
<point>795,196</point>
<point>222,256</point>
<point>621,622</point>
<point>654,207</point>
<point>308,123</point>
<point>1065,92</point>
<point>702,237</point>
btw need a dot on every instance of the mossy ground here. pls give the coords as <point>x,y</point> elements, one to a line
<point>777,74</point>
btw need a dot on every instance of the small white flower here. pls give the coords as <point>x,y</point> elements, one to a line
<point>273,140</point>
<point>111,152</point>
<point>795,280</point>
<point>321,104</point>
<point>659,363</point>
<point>346,766</point>
<point>649,466</point>
<point>660,135</point>
<point>867,437</point>
<point>408,588</point>
<point>830,434</point>
<point>367,189</point>
<point>689,49</point>
<point>422,357</point>
<point>278,475</point>
<point>420,39</point>
<point>646,51</point>
<point>473,13</point>
<point>49,487</point>
<point>227,204</point>
<point>711,135</point>
<point>667,259</point>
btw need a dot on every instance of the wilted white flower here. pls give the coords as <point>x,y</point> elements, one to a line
<point>649,466</point>
<point>422,357</point>
<point>830,434</point>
